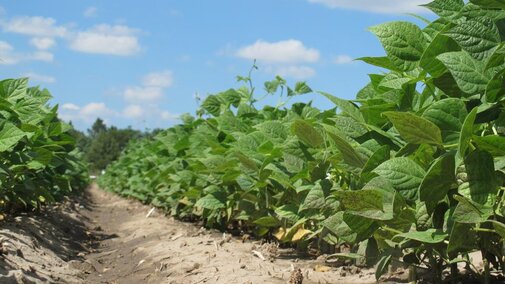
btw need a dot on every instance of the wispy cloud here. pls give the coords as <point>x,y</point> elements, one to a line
<point>8,55</point>
<point>287,58</point>
<point>343,59</point>
<point>35,26</point>
<point>43,43</point>
<point>39,77</point>
<point>117,40</point>
<point>286,51</point>
<point>376,6</point>
<point>90,12</point>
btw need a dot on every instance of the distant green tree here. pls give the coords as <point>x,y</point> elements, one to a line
<point>106,144</point>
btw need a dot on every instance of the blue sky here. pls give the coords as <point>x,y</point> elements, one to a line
<point>140,63</point>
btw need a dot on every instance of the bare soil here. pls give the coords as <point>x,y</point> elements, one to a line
<point>102,238</point>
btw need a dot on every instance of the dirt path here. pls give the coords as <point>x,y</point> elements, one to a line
<point>103,238</point>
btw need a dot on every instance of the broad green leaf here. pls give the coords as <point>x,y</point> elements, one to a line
<point>383,62</point>
<point>477,36</point>
<point>349,126</point>
<point>500,4</point>
<point>231,97</point>
<point>404,43</point>
<point>415,129</point>
<point>345,106</point>
<point>315,199</point>
<point>13,89</point>
<point>212,201</point>
<point>404,174</point>
<point>470,212</point>
<point>448,115</point>
<point>430,236</point>
<point>493,144</point>
<point>466,133</point>
<point>307,133</point>
<point>462,239</point>
<point>481,175</point>
<point>302,88</point>
<point>377,158</point>
<point>371,203</point>
<point>438,180</point>
<point>10,135</point>
<point>439,45</point>
<point>467,71</point>
<point>495,90</point>
<point>348,152</point>
<point>446,8</point>
<point>212,105</point>
<point>267,221</point>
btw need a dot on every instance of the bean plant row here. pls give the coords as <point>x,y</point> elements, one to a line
<point>38,159</point>
<point>410,171</point>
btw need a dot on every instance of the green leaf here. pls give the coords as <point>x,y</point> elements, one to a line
<point>13,89</point>
<point>404,43</point>
<point>351,157</point>
<point>383,265</point>
<point>307,133</point>
<point>466,133</point>
<point>439,45</point>
<point>479,36</point>
<point>212,105</point>
<point>315,199</point>
<point>302,88</point>
<point>383,62</point>
<point>415,129</point>
<point>213,201</point>
<point>404,174</point>
<point>462,239</point>
<point>267,221</point>
<point>446,8</point>
<point>371,203</point>
<point>467,71</point>
<point>431,236</point>
<point>493,144</point>
<point>469,212</point>
<point>481,175</point>
<point>10,135</point>
<point>438,180</point>
<point>345,106</point>
<point>449,115</point>
<point>499,4</point>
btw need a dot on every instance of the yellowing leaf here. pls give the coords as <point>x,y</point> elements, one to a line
<point>298,236</point>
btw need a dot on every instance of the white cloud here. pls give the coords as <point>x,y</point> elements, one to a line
<point>165,115</point>
<point>42,43</point>
<point>90,12</point>
<point>151,89</point>
<point>40,78</point>
<point>297,72</point>
<point>70,106</point>
<point>133,111</point>
<point>343,59</point>
<point>87,113</point>
<point>142,94</point>
<point>35,26</point>
<point>376,6</point>
<point>162,79</point>
<point>117,40</point>
<point>40,56</point>
<point>286,51</point>
<point>8,56</point>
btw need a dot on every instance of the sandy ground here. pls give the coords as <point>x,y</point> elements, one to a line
<point>102,238</point>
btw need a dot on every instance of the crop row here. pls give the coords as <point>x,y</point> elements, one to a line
<point>412,170</point>
<point>38,159</point>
